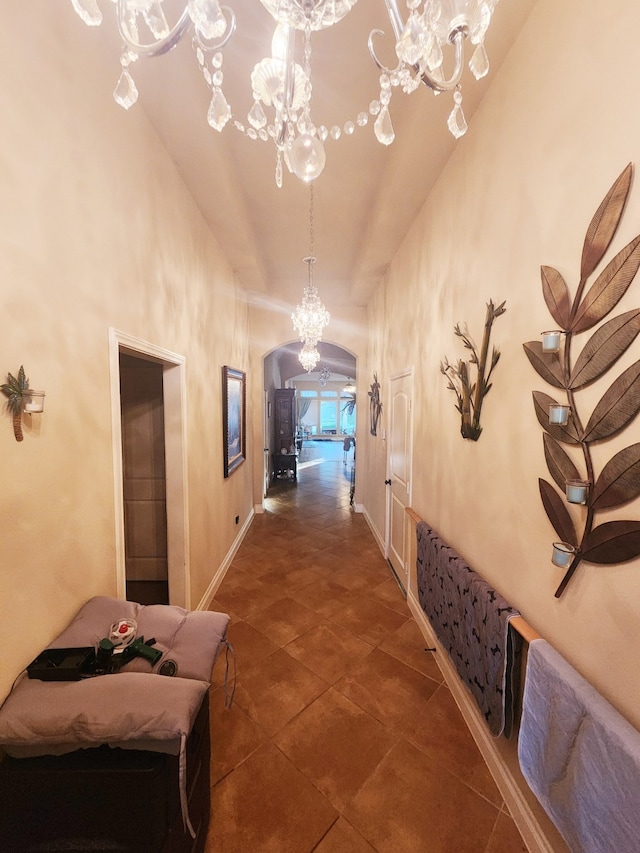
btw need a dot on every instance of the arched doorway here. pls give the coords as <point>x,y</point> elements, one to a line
<point>324,410</point>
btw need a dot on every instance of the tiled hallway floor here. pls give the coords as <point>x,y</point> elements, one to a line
<point>342,737</point>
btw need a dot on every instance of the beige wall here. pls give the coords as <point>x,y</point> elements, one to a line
<point>96,231</point>
<point>556,129</point>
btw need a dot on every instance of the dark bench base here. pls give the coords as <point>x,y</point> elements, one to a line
<point>106,799</point>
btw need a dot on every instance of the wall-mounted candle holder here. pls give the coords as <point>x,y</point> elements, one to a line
<point>563,554</point>
<point>577,491</point>
<point>559,414</point>
<point>33,401</point>
<point>21,399</point>
<point>551,340</point>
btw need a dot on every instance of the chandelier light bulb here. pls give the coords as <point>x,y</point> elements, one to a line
<point>280,41</point>
<point>307,157</point>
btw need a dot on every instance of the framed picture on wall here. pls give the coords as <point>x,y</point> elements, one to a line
<point>234,418</point>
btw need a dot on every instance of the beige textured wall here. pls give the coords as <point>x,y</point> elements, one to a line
<point>548,141</point>
<point>96,230</point>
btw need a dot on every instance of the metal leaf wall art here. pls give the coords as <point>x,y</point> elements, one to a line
<point>618,482</point>
<point>470,395</point>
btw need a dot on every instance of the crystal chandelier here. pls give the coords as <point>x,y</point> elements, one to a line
<point>309,356</point>
<point>324,375</point>
<point>310,317</point>
<point>432,29</point>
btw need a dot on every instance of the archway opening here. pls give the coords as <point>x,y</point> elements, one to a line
<point>323,412</point>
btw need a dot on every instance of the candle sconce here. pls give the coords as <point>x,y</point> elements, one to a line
<point>577,491</point>
<point>21,400</point>
<point>559,414</point>
<point>468,393</point>
<point>618,482</point>
<point>551,340</point>
<point>563,554</point>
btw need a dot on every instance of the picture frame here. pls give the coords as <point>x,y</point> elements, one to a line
<point>234,418</point>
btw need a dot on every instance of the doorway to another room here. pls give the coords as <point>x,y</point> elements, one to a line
<point>149,463</point>
<point>144,480</point>
<point>320,421</point>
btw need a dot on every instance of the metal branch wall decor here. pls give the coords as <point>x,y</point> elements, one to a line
<point>470,395</point>
<point>618,482</point>
<point>375,406</point>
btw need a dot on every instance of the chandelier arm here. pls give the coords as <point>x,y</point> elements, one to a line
<point>158,47</point>
<point>374,56</point>
<point>289,85</point>
<point>457,39</point>
<point>179,29</point>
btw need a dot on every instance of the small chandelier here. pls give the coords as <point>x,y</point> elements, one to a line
<point>432,29</point>
<point>324,375</point>
<point>310,318</point>
<point>309,356</point>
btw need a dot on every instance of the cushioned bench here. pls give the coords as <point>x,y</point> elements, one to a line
<point>135,724</point>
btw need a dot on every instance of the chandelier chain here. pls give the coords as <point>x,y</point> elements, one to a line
<point>311,234</point>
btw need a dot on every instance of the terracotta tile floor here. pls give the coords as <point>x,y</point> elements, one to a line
<point>342,737</point>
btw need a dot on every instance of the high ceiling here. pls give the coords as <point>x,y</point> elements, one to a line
<point>368,194</point>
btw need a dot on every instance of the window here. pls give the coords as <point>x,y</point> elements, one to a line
<point>321,413</point>
<point>328,417</point>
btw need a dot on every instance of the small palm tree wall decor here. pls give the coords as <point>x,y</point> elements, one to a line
<point>618,482</point>
<point>469,394</point>
<point>15,389</point>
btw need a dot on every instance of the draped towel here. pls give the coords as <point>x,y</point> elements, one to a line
<point>471,620</point>
<point>580,757</point>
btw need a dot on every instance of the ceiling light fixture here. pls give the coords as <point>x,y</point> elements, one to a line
<point>310,317</point>
<point>324,375</point>
<point>309,356</point>
<point>431,29</point>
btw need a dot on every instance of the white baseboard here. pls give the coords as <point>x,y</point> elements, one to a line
<point>528,825</point>
<point>210,592</point>
<point>376,533</point>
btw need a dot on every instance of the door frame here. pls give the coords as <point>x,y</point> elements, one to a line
<point>409,373</point>
<point>175,414</point>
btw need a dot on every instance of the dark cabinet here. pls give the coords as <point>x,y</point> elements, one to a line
<point>284,455</point>
<point>107,799</point>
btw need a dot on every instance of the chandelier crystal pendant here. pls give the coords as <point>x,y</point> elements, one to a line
<point>429,45</point>
<point>324,375</point>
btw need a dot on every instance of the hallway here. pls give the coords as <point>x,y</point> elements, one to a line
<point>342,737</point>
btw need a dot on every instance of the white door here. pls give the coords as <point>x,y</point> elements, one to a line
<point>399,468</point>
